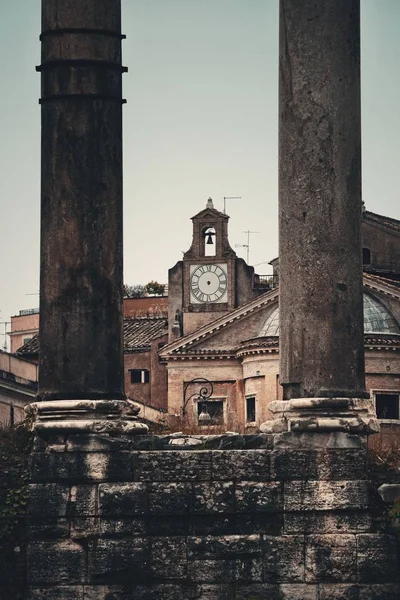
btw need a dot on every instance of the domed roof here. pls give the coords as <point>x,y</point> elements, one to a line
<point>377,319</point>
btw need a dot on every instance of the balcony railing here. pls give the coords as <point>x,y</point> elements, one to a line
<point>266,281</point>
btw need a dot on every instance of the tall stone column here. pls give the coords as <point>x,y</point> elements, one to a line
<point>81,277</point>
<point>321,302</point>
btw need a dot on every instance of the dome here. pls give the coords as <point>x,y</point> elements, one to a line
<point>377,319</point>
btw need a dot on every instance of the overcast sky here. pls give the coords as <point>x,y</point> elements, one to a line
<point>201,120</point>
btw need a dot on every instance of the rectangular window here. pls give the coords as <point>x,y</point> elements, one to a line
<point>387,405</point>
<point>213,410</point>
<point>140,375</point>
<point>250,409</point>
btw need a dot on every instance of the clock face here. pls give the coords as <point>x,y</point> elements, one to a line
<point>208,283</point>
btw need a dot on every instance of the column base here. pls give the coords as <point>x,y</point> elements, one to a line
<point>351,415</point>
<point>89,416</point>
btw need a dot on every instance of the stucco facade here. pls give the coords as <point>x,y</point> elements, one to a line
<point>237,349</point>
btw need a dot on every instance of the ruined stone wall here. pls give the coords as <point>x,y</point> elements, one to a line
<point>233,517</point>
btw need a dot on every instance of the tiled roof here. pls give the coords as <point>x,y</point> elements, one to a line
<point>260,342</point>
<point>138,334</point>
<point>381,220</point>
<point>201,351</point>
<point>31,346</point>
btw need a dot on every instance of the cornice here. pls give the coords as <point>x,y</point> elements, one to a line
<point>253,306</point>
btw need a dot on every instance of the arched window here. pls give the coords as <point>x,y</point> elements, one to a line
<point>210,241</point>
<point>366,256</point>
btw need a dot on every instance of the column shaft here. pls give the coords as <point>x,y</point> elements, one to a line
<point>81,320</point>
<point>321,330</point>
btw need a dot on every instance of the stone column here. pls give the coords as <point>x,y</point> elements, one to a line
<point>81,277</point>
<point>321,303</point>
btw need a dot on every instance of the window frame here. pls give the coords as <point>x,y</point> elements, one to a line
<point>247,398</point>
<point>197,409</point>
<point>144,376</point>
<point>376,392</point>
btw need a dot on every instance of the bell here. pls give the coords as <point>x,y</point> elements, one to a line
<point>204,416</point>
<point>209,239</point>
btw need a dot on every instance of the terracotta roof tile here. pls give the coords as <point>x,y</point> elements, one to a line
<point>31,346</point>
<point>138,335</point>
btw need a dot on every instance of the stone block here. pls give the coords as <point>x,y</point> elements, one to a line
<point>122,499</point>
<point>122,527</point>
<point>325,495</point>
<point>212,571</point>
<point>58,593</point>
<point>330,464</point>
<point>50,467</point>
<point>236,465</point>
<point>62,562</point>
<point>339,591</point>
<point>155,591</point>
<point>377,558</point>
<point>83,511</point>
<point>169,498</point>
<point>298,591</point>
<point>283,558</point>
<point>81,442</point>
<point>227,546</point>
<point>213,497</point>
<point>168,558</point>
<point>257,591</point>
<point>380,592</point>
<point>120,466</point>
<point>83,501</point>
<point>48,500</point>
<point>168,525</point>
<point>47,529</point>
<point>258,497</point>
<point>119,561</point>
<point>331,558</point>
<point>264,523</point>
<point>249,570</point>
<point>214,592</point>
<point>85,527</point>
<point>293,440</point>
<point>170,465</point>
<point>217,524</point>
<point>326,522</point>
<point>73,467</point>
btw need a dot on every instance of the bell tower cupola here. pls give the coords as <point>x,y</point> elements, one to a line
<point>210,280</point>
<point>210,234</point>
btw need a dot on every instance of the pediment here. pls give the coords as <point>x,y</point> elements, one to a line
<point>210,213</point>
<point>243,323</point>
<point>228,331</point>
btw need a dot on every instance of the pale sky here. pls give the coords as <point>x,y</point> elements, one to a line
<point>201,120</point>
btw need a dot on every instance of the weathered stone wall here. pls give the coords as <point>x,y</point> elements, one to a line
<point>222,517</point>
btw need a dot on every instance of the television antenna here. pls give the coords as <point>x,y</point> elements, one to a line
<point>248,232</point>
<point>230,198</point>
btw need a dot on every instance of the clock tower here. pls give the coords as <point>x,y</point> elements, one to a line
<point>210,280</point>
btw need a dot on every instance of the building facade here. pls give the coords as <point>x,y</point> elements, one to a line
<point>234,345</point>
<point>222,332</point>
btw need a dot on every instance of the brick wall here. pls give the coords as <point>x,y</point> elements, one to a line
<point>235,518</point>
<point>153,393</point>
